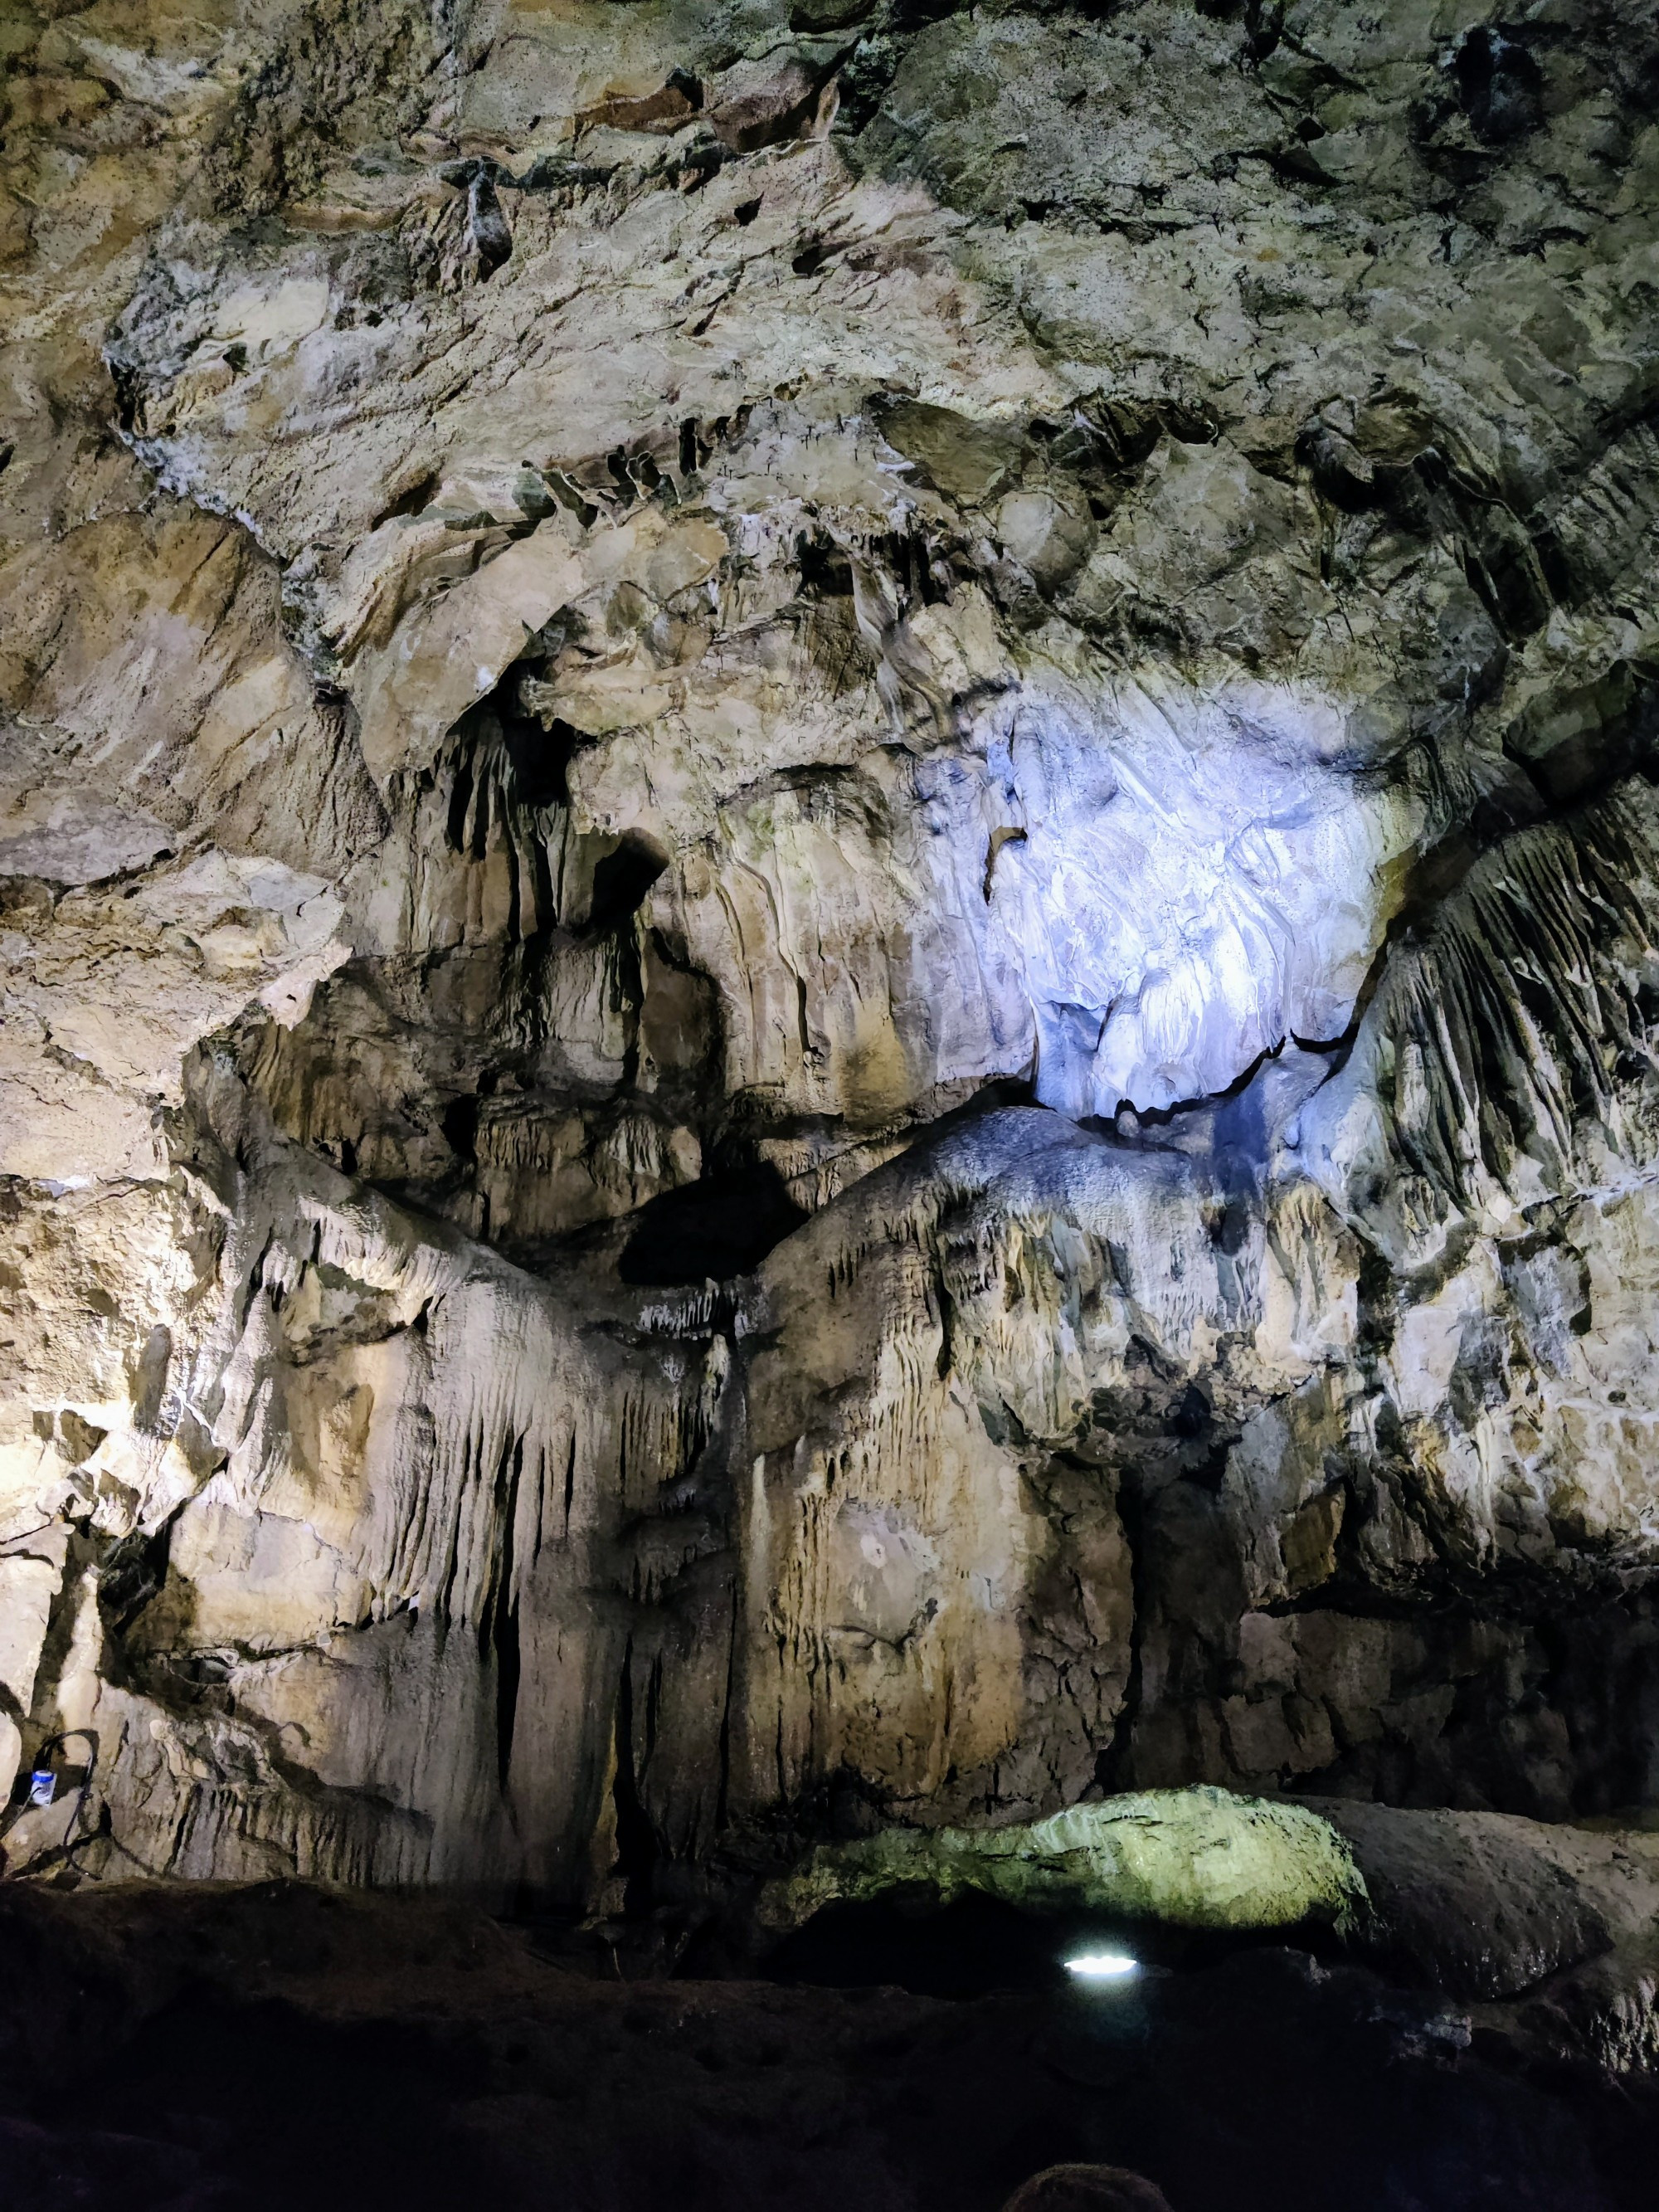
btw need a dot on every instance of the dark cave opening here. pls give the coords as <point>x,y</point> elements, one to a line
<point>623,879</point>
<point>977,1946</point>
<point>722,1226</point>
<point>961,1950</point>
<point>541,758</point>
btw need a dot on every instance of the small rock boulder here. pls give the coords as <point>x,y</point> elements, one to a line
<point>1087,2189</point>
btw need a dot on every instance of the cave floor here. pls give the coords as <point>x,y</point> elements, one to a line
<point>242,2049</point>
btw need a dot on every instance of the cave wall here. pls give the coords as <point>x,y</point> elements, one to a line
<point>831,897</point>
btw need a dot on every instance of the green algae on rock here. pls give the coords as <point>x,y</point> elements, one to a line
<point>1200,1858</point>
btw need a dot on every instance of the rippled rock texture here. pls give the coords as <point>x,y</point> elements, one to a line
<point>832,921</point>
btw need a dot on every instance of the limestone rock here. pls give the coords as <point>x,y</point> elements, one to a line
<point>829,886</point>
<point>1192,1858</point>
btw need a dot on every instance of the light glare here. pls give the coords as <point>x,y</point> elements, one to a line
<point>1102,1965</point>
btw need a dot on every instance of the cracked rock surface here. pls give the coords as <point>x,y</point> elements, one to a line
<point>830,894</point>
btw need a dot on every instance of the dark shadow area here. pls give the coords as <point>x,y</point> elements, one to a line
<point>414,500</point>
<point>212,2078</point>
<point>978,1945</point>
<point>541,758</point>
<point>959,1950</point>
<point>622,880</point>
<point>723,1227</point>
<point>174,2049</point>
<point>1500,87</point>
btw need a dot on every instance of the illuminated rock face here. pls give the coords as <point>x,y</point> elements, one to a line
<point>1187,887</point>
<point>832,909</point>
<point>1172,1858</point>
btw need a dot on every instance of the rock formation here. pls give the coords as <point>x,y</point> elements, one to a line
<point>831,905</point>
